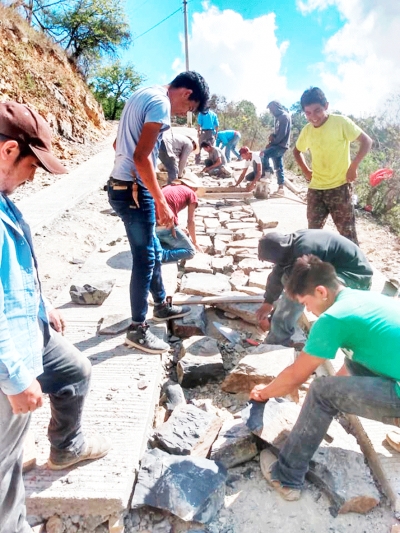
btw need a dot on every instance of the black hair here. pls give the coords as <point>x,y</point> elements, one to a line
<point>197,84</point>
<point>313,95</point>
<point>307,273</point>
<point>24,149</point>
<point>205,144</point>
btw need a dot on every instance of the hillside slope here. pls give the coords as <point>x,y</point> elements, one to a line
<point>35,71</point>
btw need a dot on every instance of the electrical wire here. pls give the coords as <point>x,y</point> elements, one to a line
<point>158,23</point>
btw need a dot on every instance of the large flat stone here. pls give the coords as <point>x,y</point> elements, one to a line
<point>114,324</point>
<point>205,284</point>
<point>244,311</point>
<point>219,246</point>
<point>235,444</point>
<point>223,216</point>
<point>338,466</point>
<point>191,488</point>
<point>249,265</point>
<point>234,226</point>
<point>205,242</point>
<point>244,243</point>
<point>201,362</point>
<point>189,325</point>
<point>199,263</point>
<point>211,223</point>
<point>258,368</point>
<point>247,234</point>
<point>222,264</point>
<point>188,431</point>
<point>259,279</point>
<point>238,278</point>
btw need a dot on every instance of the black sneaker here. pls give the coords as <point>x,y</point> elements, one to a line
<point>142,338</point>
<point>167,311</point>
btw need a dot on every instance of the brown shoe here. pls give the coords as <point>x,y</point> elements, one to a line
<point>96,447</point>
<point>267,459</point>
<point>393,439</point>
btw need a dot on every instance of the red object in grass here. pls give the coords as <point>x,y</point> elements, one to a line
<point>368,208</point>
<point>380,175</point>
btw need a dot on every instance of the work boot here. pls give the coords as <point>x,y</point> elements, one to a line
<point>139,336</point>
<point>95,447</point>
<point>167,311</point>
<point>267,460</point>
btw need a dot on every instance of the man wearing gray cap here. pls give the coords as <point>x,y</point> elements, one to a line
<point>34,356</point>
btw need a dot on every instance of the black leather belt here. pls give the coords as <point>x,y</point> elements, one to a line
<point>119,185</point>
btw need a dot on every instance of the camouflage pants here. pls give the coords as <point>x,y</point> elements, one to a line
<point>336,202</point>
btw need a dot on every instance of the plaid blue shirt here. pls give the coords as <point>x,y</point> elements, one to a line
<point>21,303</point>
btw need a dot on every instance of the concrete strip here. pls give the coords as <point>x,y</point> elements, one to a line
<point>51,202</point>
<point>115,406</point>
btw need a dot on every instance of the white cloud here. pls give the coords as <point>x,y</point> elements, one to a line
<point>240,59</point>
<point>362,59</point>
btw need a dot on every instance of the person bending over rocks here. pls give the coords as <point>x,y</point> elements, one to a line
<point>366,326</point>
<point>349,261</point>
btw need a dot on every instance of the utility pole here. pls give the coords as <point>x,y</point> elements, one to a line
<point>185,17</point>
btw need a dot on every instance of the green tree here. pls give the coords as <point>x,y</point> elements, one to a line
<point>112,85</point>
<point>86,29</point>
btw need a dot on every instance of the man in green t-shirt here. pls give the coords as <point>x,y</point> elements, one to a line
<point>367,327</point>
<point>328,138</point>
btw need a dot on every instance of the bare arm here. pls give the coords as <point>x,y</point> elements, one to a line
<point>253,183</point>
<point>241,177</point>
<point>191,223</point>
<point>365,146</point>
<point>217,163</point>
<point>299,157</point>
<point>289,379</point>
<point>145,168</point>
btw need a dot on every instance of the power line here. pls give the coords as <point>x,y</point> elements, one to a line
<point>158,23</point>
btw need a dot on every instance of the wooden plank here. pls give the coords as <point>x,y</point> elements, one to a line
<point>180,299</point>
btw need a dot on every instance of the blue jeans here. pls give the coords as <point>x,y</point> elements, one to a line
<point>363,394</point>
<point>287,313</point>
<point>231,146</point>
<point>276,154</point>
<point>174,248</point>
<point>66,378</point>
<point>145,247</point>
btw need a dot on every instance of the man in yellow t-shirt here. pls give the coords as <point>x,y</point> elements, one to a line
<point>328,138</point>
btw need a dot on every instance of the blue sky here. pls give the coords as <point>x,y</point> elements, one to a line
<point>263,49</point>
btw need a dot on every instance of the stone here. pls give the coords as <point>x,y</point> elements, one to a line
<point>211,223</point>
<point>205,242</point>
<point>249,219</point>
<point>239,253</point>
<point>238,278</point>
<point>337,467</point>
<point>245,311</point>
<point>206,212</point>
<point>191,488</point>
<point>258,368</point>
<point>251,291</point>
<point>225,238</point>
<point>172,395</point>
<point>249,265</point>
<point>223,216</point>
<point>201,362</point>
<point>259,279</point>
<point>219,231</point>
<point>189,325</point>
<point>188,431</point>
<point>205,284</point>
<point>55,525</point>
<point>222,264</point>
<point>114,324</point>
<point>199,263</point>
<point>244,243</point>
<point>235,444</point>
<point>91,294</point>
<point>247,234</point>
<point>234,226</point>
<point>219,246</point>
